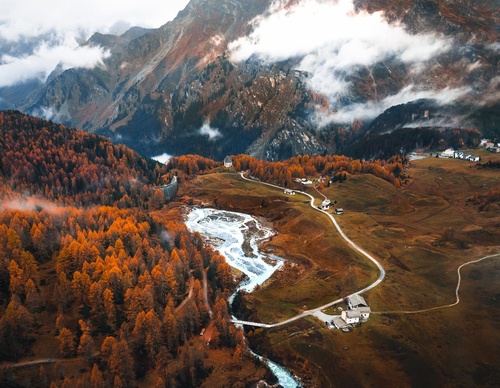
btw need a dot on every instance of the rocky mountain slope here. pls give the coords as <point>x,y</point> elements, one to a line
<point>178,89</point>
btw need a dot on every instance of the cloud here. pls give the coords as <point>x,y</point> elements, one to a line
<point>36,36</point>
<point>31,204</point>
<point>31,18</point>
<point>212,133</point>
<point>58,115</point>
<point>163,158</point>
<point>492,93</point>
<point>371,109</point>
<point>442,122</point>
<point>331,40</point>
<point>333,34</point>
<point>45,59</point>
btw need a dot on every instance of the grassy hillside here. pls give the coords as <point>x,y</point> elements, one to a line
<point>445,216</point>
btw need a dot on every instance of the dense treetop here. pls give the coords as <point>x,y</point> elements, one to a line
<point>85,270</point>
<point>38,157</point>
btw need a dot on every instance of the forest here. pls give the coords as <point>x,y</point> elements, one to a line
<point>89,275</point>
<point>85,268</point>
<point>333,167</point>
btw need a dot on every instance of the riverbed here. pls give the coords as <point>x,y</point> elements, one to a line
<point>237,237</point>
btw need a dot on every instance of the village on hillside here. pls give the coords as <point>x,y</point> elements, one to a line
<point>457,154</point>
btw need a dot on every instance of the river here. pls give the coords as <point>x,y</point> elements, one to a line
<point>236,236</point>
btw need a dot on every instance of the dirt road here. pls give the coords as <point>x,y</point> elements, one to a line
<point>352,244</point>
<point>188,297</point>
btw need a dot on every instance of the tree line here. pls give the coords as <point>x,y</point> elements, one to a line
<point>332,167</point>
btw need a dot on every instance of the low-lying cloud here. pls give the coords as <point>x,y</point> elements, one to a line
<point>31,18</point>
<point>45,59</point>
<point>371,109</point>
<point>331,40</point>
<point>163,158</point>
<point>212,133</point>
<point>31,204</point>
<point>332,34</point>
<point>440,122</point>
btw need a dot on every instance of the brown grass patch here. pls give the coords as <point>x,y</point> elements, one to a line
<point>402,227</point>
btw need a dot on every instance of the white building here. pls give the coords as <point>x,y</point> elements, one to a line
<point>356,300</point>
<point>486,143</point>
<point>351,316</point>
<point>326,204</point>
<point>358,309</point>
<point>228,162</point>
<point>289,192</point>
<point>339,210</point>
<point>449,153</point>
<point>364,312</point>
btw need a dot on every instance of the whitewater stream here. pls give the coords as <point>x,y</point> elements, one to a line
<point>236,236</point>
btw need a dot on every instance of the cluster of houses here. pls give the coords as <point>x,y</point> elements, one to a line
<point>304,181</point>
<point>490,146</point>
<point>454,154</point>
<point>357,312</point>
<point>325,205</point>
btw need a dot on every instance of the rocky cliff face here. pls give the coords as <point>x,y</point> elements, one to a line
<point>174,89</point>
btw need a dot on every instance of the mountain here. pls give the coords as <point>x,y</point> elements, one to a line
<point>179,89</point>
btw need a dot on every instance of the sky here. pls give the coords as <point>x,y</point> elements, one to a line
<point>333,42</point>
<point>63,24</point>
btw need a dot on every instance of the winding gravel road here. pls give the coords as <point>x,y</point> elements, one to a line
<point>317,311</point>
<point>353,245</point>
<point>457,300</point>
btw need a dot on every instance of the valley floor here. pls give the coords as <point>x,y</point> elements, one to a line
<point>421,234</point>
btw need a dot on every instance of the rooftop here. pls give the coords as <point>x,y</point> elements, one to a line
<point>356,300</point>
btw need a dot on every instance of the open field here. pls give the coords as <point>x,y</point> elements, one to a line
<point>321,266</point>
<point>421,233</point>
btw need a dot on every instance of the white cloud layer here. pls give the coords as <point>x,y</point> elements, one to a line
<point>332,34</point>
<point>61,25</point>
<point>30,204</point>
<point>30,18</point>
<point>212,133</point>
<point>45,59</point>
<point>372,109</point>
<point>331,40</point>
<point>163,158</point>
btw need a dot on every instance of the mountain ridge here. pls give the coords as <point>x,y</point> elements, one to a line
<point>158,88</point>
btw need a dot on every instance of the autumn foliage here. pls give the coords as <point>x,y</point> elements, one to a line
<point>334,167</point>
<point>63,165</point>
<point>82,259</point>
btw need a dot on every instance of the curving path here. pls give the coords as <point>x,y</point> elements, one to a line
<point>188,297</point>
<point>205,294</point>
<point>33,362</point>
<point>457,301</point>
<point>347,239</point>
